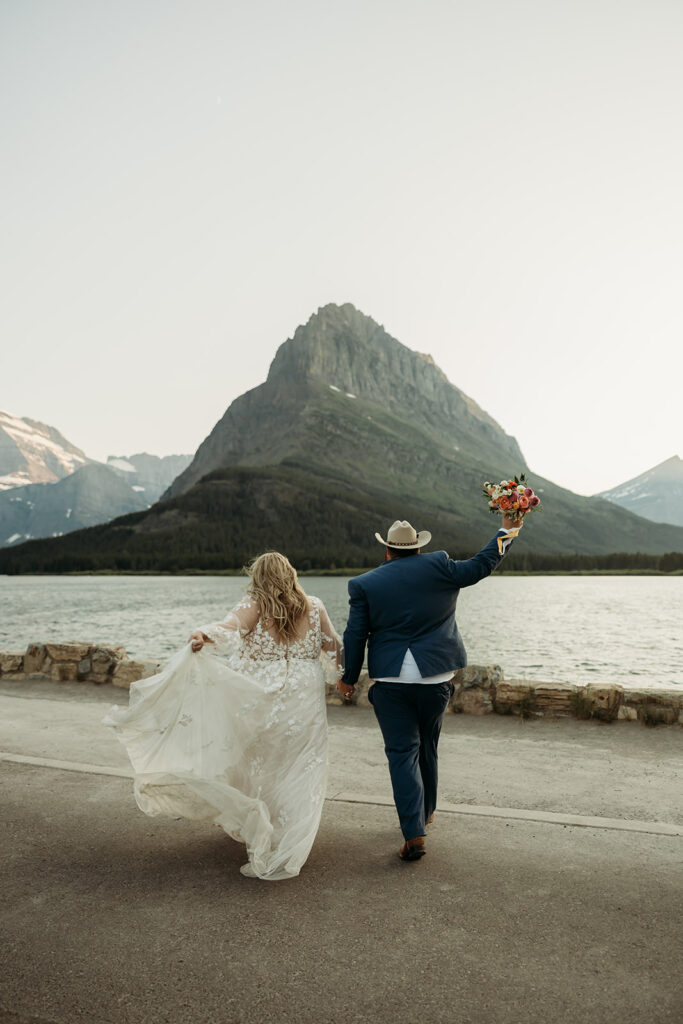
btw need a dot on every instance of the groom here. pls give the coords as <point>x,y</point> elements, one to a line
<point>404,610</point>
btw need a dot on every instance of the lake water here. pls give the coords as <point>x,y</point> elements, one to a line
<point>577,629</point>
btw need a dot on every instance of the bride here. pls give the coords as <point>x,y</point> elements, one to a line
<point>233,730</point>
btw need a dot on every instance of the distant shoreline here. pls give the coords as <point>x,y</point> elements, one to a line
<point>345,572</point>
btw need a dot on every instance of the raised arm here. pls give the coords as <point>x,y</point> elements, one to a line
<point>469,571</point>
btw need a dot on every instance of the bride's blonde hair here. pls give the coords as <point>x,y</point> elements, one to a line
<point>276,591</point>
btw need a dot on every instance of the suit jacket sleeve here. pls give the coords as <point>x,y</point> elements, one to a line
<point>356,633</point>
<point>469,571</point>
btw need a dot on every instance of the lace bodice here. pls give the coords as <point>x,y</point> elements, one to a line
<point>260,645</point>
<point>257,642</point>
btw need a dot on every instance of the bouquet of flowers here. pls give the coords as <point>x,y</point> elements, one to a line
<point>511,497</point>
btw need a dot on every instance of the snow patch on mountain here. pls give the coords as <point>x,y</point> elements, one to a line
<point>657,494</point>
<point>33,452</point>
<point>122,464</point>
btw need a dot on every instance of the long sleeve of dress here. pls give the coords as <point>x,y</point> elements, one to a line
<point>332,649</point>
<point>226,634</point>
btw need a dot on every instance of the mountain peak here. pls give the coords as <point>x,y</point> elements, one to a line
<point>33,452</point>
<point>346,314</point>
<point>341,355</point>
<point>343,347</point>
<point>656,494</point>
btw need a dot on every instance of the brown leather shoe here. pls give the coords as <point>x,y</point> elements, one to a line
<point>413,849</point>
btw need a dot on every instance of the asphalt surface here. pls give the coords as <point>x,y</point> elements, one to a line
<point>110,916</point>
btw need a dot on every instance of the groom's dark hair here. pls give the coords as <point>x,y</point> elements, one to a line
<point>402,552</point>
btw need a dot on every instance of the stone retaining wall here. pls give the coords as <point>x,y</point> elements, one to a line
<point>71,662</point>
<point>479,689</point>
<point>482,690</point>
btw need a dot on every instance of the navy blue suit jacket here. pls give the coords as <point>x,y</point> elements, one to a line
<point>410,603</point>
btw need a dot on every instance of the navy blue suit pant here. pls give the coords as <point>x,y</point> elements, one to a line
<point>410,717</point>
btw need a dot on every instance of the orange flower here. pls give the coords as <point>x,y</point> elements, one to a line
<point>505,503</point>
<point>523,501</point>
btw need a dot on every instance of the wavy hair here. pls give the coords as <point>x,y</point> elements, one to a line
<point>275,589</point>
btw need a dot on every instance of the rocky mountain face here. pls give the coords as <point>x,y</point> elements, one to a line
<point>148,475</point>
<point>91,495</point>
<point>32,453</point>
<point>350,431</point>
<point>338,362</point>
<point>656,494</point>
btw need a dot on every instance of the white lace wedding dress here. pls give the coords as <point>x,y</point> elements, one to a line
<point>237,734</point>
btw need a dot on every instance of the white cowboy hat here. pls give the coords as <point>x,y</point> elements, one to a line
<point>402,535</point>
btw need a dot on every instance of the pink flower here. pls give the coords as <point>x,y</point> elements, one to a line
<point>534,501</point>
<point>528,493</point>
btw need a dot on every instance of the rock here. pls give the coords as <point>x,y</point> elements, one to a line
<point>151,666</point>
<point>662,698</point>
<point>469,676</point>
<point>475,688</point>
<point>513,697</point>
<point>553,698</point>
<point>64,671</point>
<point>67,651</point>
<point>102,661</point>
<point>11,663</point>
<point>477,675</point>
<point>604,701</point>
<point>84,668</point>
<point>128,671</point>
<point>656,714</point>
<point>472,701</point>
<point>655,707</point>
<point>34,659</point>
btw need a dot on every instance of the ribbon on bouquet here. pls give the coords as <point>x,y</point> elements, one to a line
<point>506,540</point>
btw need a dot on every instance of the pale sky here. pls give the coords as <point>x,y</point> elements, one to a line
<point>499,184</point>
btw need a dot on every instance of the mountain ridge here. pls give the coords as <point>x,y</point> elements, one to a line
<point>79,500</point>
<point>656,494</point>
<point>304,464</point>
<point>148,474</point>
<point>32,452</point>
<point>50,487</point>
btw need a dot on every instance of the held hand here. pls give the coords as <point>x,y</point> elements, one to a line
<point>512,524</point>
<point>345,690</point>
<point>198,639</point>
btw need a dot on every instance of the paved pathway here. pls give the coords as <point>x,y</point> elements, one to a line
<point>552,890</point>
